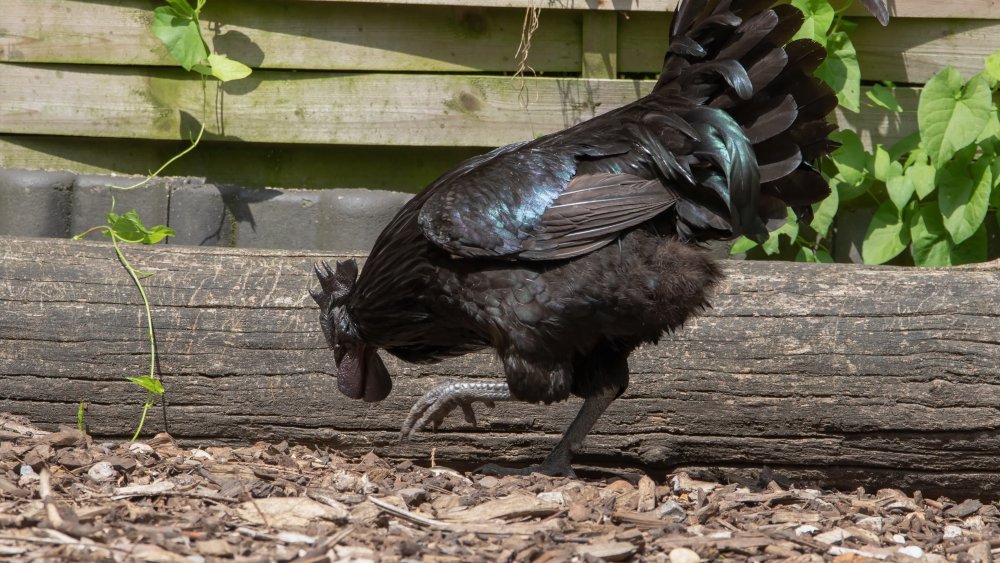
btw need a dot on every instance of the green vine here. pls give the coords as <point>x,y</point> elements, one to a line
<point>178,27</point>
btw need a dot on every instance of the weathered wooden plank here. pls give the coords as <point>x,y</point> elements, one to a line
<point>348,36</point>
<point>600,45</point>
<point>985,9</point>
<point>291,35</point>
<point>842,374</point>
<point>247,164</point>
<point>337,108</point>
<point>910,50</point>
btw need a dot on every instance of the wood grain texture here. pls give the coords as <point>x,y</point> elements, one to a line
<point>841,374</point>
<point>292,35</point>
<point>384,37</point>
<point>898,8</point>
<point>299,165</point>
<point>326,107</point>
<point>909,50</point>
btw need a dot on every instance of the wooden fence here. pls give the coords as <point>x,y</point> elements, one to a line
<point>376,94</point>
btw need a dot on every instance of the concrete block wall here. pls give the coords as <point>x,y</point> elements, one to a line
<point>61,204</point>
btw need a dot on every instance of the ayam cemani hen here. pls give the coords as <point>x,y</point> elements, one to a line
<point>566,252</point>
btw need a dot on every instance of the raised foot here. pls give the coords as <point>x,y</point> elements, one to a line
<point>438,403</point>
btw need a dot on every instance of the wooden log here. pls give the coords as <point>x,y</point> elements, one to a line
<point>839,374</point>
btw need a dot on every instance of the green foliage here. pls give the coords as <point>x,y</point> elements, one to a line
<point>882,96</point>
<point>129,228</point>
<point>932,193</point>
<point>177,26</point>
<point>818,19</point>
<point>841,70</point>
<point>952,113</point>
<point>81,413</point>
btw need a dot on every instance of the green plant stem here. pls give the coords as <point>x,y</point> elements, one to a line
<point>145,302</point>
<point>194,144</point>
<point>145,409</point>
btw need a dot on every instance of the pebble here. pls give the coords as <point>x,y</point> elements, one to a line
<point>140,447</point>
<point>673,510</point>
<point>806,529</point>
<point>873,523</point>
<point>684,555</point>
<point>952,532</point>
<point>412,496</point>
<point>912,550</point>
<point>610,551</point>
<point>101,471</point>
<point>489,482</point>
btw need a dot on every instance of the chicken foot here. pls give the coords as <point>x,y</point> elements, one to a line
<point>558,460</point>
<point>440,401</point>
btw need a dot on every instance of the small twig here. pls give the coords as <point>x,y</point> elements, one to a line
<point>409,516</point>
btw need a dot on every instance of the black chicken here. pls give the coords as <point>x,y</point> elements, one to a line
<point>567,252</point>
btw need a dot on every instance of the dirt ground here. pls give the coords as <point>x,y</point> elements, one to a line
<point>65,497</point>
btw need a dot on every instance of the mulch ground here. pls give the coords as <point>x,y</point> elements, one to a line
<point>65,497</point>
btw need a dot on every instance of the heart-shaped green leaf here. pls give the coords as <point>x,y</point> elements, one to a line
<point>841,70</point>
<point>818,17</point>
<point>742,245</point>
<point>951,113</point>
<point>884,97</point>
<point>886,236</point>
<point>179,32</point>
<point>152,385</point>
<point>824,212</point>
<point>933,247</point>
<point>226,69</point>
<point>963,195</point>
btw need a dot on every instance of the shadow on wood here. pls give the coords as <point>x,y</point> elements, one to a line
<point>837,374</point>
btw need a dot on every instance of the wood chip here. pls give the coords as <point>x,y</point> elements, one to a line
<point>514,506</point>
<point>610,551</point>
<point>286,512</point>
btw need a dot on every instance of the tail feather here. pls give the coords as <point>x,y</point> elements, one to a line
<point>734,55</point>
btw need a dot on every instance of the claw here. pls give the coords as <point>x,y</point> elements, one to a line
<point>470,415</point>
<point>438,403</point>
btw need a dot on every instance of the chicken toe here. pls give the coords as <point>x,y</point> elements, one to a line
<point>438,403</point>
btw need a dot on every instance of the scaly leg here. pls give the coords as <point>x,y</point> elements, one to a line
<point>441,400</point>
<point>558,460</point>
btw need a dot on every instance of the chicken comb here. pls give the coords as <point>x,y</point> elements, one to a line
<point>335,284</point>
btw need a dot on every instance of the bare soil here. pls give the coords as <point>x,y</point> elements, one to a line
<point>65,497</point>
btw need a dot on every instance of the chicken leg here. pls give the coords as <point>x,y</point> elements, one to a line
<point>440,401</point>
